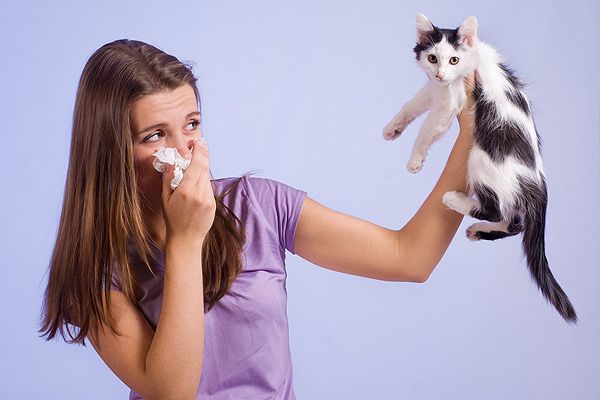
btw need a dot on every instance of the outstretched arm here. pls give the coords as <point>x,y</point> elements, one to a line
<point>344,243</point>
<point>429,233</point>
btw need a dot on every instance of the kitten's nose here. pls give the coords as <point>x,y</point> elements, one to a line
<point>440,76</point>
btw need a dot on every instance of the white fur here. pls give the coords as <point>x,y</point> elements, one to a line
<point>500,177</point>
<point>459,202</point>
<point>444,96</point>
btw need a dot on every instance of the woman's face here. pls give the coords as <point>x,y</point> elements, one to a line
<point>163,119</point>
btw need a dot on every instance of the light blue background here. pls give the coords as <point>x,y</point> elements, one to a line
<point>301,91</point>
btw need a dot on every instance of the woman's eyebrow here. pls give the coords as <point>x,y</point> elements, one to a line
<point>160,125</point>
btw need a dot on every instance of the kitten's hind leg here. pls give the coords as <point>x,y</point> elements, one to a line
<point>460,202</point>
<point>494,230</point>
<point>416,106</point>
<point>489,204</point>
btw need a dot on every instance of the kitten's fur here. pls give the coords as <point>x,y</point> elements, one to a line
<point>505,169</point>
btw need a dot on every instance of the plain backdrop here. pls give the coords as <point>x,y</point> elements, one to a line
<point>301,91</point>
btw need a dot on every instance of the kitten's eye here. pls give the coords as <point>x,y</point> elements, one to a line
<point>432,59</point>
<point>453,60</point>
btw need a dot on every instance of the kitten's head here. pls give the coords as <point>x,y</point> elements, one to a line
<point>446,54</point>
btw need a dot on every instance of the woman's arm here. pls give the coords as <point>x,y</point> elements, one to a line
<point>431,230</point>
<point>348,244</point>
<point>165,364</point>
<point>429,233</point>
<point>174,359</point>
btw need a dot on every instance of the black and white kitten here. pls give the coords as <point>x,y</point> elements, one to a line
<point>505,170</point>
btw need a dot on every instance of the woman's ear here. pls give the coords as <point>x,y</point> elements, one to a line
<point>424,27</point>
<point>467,32</point>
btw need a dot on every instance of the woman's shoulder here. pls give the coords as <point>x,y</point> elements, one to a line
<point>253,185</point>
<point>279,204</point>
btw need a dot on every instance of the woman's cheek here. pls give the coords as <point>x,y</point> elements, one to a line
<point>147,175</point>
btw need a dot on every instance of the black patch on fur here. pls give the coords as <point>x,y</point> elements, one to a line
<point>539,139</point>
<point>435,36</point>
<point>516,97</point>
<point>496,137</point>
<point>515,226</point>
<point>534,198</point>
<point>493,235</point>
<point>490,205</point>
<point>511,76</point>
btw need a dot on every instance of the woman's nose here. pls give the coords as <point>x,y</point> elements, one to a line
<point>183,145</point>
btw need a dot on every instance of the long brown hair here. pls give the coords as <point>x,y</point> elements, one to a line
<point>102,206</point>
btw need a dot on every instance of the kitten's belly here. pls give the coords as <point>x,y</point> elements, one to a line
<point>500,177</point>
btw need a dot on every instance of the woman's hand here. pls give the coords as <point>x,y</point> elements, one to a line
<point>189,210</point>
<point>466,116</point>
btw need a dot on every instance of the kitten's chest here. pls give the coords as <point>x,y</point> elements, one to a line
<point>448,99</point>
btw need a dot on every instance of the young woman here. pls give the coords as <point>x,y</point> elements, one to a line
<point>182,292</point>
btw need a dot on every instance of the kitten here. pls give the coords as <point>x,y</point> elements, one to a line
<point>444,94</point>
<point>504,169</point>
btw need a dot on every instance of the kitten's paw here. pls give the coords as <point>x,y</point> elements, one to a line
<point>415,164</point>
<point>473,233</point>
<point>393,130</point>
<point>453,200</point>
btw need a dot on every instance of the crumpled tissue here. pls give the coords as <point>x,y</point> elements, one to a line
<point>170,155</point>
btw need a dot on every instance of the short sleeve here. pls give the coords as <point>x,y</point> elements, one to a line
<point>115,284</point>
<point>280,204</point>
<point>115,281</point>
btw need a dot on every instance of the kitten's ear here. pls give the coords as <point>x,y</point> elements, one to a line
<point>423,27</point>
<point>468,31</point>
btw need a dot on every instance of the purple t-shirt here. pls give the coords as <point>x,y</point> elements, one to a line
<point>246,337</point>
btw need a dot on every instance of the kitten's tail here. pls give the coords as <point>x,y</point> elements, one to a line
<point>534,248</point>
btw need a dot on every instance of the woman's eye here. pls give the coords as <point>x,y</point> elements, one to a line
<point>194,124</point>
<point>432,59</point>
<point>153,138</point>
<point>453,60</point>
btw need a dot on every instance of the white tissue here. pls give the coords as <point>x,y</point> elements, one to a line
<point>170,155</point>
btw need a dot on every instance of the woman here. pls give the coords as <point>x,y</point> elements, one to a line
<point>208,257</point>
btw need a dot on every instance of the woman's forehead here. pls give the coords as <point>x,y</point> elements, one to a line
<point>156,107</point>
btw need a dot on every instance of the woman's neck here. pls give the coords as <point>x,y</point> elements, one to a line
<point>156,224</point>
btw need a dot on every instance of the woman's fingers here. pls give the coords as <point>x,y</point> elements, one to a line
<point>189,212</point>
<point>470,83</point>
<point>465,117</point>
<point>204,177</point>
<point>198,165</point>
<point>167,176</point>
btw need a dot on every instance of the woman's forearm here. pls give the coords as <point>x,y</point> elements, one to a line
<point>432,228</point>
<point>174,360</point>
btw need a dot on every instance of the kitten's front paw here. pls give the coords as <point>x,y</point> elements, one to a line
<point>415,164</point>
<point>393,130</point>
